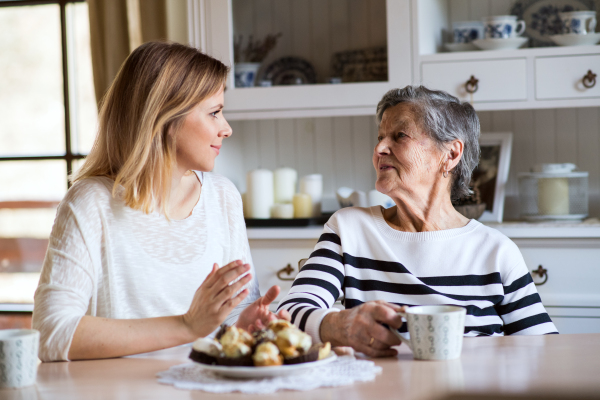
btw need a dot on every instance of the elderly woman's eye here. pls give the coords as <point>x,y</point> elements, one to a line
<point>379,138</point>
<point>400,135</point>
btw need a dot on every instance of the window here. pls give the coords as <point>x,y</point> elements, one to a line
<point>48,121</point>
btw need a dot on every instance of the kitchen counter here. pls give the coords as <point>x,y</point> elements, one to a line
<point>553,366</point>
<point>590,228</point>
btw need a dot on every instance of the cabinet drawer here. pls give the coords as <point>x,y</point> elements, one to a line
<point>562,77</point>
<point>498,80</point>
<point>573,274</point>
<point>270,256</point>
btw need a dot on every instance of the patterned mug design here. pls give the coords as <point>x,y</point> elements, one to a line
<point>578,22</point>
<point>18,357</point>
<point>467,31</point>
<point>436,332</point>
<point>503,27</point>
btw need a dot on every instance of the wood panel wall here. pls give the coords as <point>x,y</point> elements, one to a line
<point>340,148</point>
<point>312,29</point>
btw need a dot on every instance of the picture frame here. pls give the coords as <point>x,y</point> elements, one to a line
<point>491,175</point>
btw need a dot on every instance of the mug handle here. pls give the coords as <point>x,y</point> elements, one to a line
<point>521,25</point>
<point>400,336</point>
<point>592,25</point>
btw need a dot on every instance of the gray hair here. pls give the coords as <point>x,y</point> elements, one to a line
<point>444,118</point>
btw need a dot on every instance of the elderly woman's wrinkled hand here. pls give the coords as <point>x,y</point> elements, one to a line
<point>362,328</point>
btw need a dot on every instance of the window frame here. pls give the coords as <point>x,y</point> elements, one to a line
<point>69,156</point>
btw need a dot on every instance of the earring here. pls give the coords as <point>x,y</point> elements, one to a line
<point>445,174</point>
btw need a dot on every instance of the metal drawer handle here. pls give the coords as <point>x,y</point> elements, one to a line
<point>543,273</point>
<point>589,80</point>
<point>472,85</point>
<point>288,269</point>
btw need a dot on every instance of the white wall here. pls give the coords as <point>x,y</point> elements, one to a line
<point>340,148</point>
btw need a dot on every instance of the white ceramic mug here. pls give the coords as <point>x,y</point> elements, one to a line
<point>578,22</point>
<point>467,31</point>
<point>436,332</point>
<point>503,27</point>
<point>18,357</point>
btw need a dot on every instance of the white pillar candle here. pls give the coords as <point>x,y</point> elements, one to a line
<point>284,181</point>
<point>313,186</point>
<point>302,205</point>
<point>282,210</point>
<point>259,193</point>
<point>553,196</point>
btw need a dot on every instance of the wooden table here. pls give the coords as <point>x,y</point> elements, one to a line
<point>549,367</point>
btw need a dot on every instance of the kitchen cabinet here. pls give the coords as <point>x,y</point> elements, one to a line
<point>544,77</point>
<point>497,80</point>
<point>415,32</point>
<point>563,78</point>
<point>569,287</point>
<point>314,30</point>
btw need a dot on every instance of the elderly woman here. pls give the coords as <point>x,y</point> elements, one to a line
<point>422,251</point>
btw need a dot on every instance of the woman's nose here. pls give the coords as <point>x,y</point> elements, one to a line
<point>226,130</point>
<point>382,147</point>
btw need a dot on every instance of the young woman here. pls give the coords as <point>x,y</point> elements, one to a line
<point>133,259</point>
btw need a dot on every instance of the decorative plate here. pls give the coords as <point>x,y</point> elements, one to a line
<point>460,47</point>
<point>500,44</point>
<point>290,71</point>
<point>572,39</point>
<point>361,65</point>
<point>266,372</point>
<point>542,20</point>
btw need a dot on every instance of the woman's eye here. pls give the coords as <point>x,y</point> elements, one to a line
<point>214,114</point>
<point>379,138</point>
<point>400,135</point>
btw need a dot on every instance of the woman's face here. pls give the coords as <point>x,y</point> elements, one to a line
<point>201,135</point>
<point>406,159</point>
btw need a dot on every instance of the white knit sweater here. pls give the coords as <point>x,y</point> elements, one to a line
<point>360,258</point>
<point>105,259</point>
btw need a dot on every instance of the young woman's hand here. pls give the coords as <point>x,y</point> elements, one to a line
<point>257,315</point>
<point>213,300</point>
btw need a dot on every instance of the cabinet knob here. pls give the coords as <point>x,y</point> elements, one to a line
<point>543,273</point>
<point>472,84</point>
<point>288,269</point>
<point>589,79</point>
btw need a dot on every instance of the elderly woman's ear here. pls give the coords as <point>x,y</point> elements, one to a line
<point>452,156</point>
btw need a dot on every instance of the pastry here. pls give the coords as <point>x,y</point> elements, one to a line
<point>280,324</point>
<point>281,343</point>
<point>267,354</point>
<point>262,336</point>
<point>206,351</point>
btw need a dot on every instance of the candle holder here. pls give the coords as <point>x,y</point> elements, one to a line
<point>553,192</point>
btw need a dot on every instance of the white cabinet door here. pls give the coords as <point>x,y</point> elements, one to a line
<point>562,77</point>
<point>214,19</point>
<point>270,256</point>
<point>498,80</point>
<point>573,274</point>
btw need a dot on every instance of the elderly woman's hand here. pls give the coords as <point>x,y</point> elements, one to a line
<point>362,328</point>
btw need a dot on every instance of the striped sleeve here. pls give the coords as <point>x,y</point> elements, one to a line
<point>317,286</point>
<point>521,308</point>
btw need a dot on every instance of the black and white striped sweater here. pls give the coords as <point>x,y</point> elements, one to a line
<point>360,258</point>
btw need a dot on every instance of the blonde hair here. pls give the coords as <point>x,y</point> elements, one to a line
<point>155,89</point>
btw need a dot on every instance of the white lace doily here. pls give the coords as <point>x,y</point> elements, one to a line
<point>343,371</point>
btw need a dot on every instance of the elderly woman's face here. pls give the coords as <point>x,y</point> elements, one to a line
<point>406,158</point>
